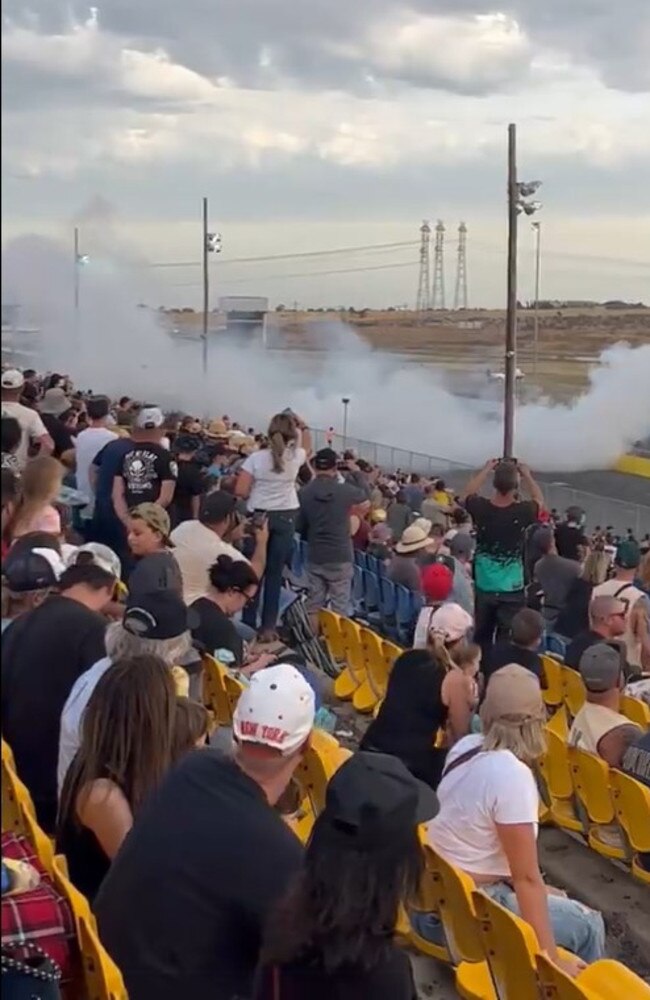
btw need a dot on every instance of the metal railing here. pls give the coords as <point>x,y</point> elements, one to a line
<point>602,511</point>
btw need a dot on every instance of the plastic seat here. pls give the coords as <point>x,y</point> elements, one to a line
<point>426,901</point>
<point>388,606</point>
<point>376,668</point>
<point>372,564</point>
<point>214,691</point>
<point>18,813</point>
<point>590,776</point>
<point>362,695</point>
<point>553,767</point>
<point>602,980</point>
<point>102,980</point>
<point>330,627</point>
<point>510,948</point>
<point>553,693</point>
<point>315,770</point>
<point>358,591</point>
<point>635,710</point>
<point>233,690</point>
<point>632,806</point>
<point>575,693</point>
<point>406,612</point>
<point>371,595</point>
<point>391,652</point>
<point>360,559</point>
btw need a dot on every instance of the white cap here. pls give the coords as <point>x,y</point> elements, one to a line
<point>12,379</point>
<point>102,556</point>
<point>451,622</point>
<point>277,710</point>
<point>150,417</point>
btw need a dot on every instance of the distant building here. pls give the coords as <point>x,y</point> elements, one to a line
<point>244,314</point>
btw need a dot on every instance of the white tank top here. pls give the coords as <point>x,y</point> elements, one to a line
<point>629,595</point>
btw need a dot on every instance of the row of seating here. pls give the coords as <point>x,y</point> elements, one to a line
<point>367,657</point>
<point>98,976</point>
<point>565,686</point>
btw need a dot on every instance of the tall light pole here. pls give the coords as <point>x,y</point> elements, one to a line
<point>518,192</point>
<point>211,244</point>
<point>346,403</point>
<point>537,226</point>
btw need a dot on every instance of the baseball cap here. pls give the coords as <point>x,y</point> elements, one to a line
<point>155,516</point>
<point>97,554</point>
<point>187,442</point>
<point>149,417</point>
<point>12,379</point>
<point>160,614</point>
<point>437,582</point>
<point>461,545</point>
<point>514,696</point>
<point>325,459</point>
<point>628,554</point>
<point>450,621</point>
<point>32,569</point>
<point>216,507</point>
<point>276,710</point>
<point>54,402</point>
<point>373,799</point>
<point>600,666</point>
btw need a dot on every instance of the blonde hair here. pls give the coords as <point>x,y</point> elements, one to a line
<point>40,482</point>
<point>447,656</point>
<point>524,738</point>
<point>466,654</point>
<point>282,433</point>
<point>596,567</point>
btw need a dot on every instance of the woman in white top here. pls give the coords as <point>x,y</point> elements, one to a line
<point>488,821</point>
<point>267,480</point>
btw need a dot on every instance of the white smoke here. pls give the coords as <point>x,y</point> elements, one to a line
<point>118,348</point>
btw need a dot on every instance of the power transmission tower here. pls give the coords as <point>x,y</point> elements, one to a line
<point>424,281</point>
<point>460,295</point>
<point>438,301</point>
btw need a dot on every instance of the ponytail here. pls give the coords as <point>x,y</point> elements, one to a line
<point>440,652</point>
<point>277,446</point>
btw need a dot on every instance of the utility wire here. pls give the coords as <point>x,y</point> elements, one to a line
<point>288,256</point>
<point>305,274</point>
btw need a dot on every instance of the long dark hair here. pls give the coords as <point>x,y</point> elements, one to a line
<point>127,733</point>
<point>343,907</point>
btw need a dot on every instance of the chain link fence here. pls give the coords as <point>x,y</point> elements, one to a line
<point>602,511</point>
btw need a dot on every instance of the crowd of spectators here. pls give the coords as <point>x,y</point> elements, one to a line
<point>134,543</point>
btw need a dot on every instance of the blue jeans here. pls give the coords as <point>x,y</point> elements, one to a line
<point>282,527</point>
<point>575,927</point>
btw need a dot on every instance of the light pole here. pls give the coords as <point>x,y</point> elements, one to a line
<point>537,226</point>
<point>518,192</point>
<point>346,403</point>
<point>211,244</point>
<point>79,259</point>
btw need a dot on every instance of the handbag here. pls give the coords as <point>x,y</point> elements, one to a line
<point>32,977</point>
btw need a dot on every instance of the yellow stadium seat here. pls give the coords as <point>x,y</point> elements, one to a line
<point>632,806</point>
<point>353,674</point>
<point>453,889</point>
<point>510,947</point>
<point>233,689</point>
<point>553,693</point>
<point>315,770</point>
<point>18,813</point>
<point>214,691</point>
<point>555,773</point>
<point>573,687</point>
<point>590,776</point>
<point>602,980</point>
<point>391,652</point>
<point>376,669</point>
<point>426,901</point>
<point>102,979</point>
<point>330,626</point>
<point>636,711</point>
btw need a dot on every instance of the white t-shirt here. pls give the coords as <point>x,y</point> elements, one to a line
<point>31,425</point>
<point>493,787</point>
<point>70,734</point>
<point>87,445</point>
<point>196,548</point>
<point>274,490</point>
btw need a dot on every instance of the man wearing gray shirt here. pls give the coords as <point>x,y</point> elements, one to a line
<point>555,575</point>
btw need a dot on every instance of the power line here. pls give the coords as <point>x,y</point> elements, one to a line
<point>288,256</point>
<point>304,274</point>
<point>594,258</point>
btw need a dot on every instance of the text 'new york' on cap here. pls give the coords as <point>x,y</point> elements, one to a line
<point>276,710</point>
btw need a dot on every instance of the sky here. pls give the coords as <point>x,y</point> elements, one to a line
<point>326,124</point>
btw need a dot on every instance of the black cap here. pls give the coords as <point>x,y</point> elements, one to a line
<point>32,569</point>
<point>158,615</point>
<point>187,442</point>
<point>373,798</point>
<point>325,459</point>
<point>216,507</point>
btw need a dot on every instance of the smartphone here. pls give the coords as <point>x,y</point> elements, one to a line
<point>258,520</point>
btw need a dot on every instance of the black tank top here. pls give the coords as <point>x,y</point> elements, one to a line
<point>87,862</point>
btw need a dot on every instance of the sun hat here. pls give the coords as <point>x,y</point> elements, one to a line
<point>100,555</point>
<point>150,417</point>
<point>216,429</point>
<point>155,516</point>
<point>601,665</point>
<point>54,402</point>
<point>437,582</point>
<point>12,379</point>
<point>514,696</point>
<point>373,800</point>
<point>450,621</point>
<point>276,710</point>
<point>415,537</point>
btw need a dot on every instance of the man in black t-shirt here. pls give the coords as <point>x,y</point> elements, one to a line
<point>183,906</point>
<point>606,622</point>
<point>570,537</point>
<point>501,524</point>
<point>148,472</point>
<point>526,635</point>
<point>191,482</point>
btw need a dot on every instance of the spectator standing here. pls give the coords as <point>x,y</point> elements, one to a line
<point>599,726</point>
<point>33,430</point>
<point>414,494</point>
<point>43,654</point>
<point>352,472</point>
<point>40,483</point>
<point>11,438</point>
<point>191,482</point>
<point>184,904</point>
<point>637,605</point>
<point>324,522</point>
<point>570,538</point>
<point>606,622</point>
<point>324,943</point>
<point>150,544</point>
<point>106,527</point>
<point>148,472</point>
<point>54,408</point>
<point>501,524</point>
<point>522,648</point>
<point>9,499</point>
<point>267,481</point>
<point>198,544</point>
<point>555,575</point>
<point>398,514</point>
<point>435,505</point>
<point>88,444</point>
<point>126,745</point>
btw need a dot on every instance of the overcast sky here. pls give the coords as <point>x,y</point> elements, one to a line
<point>316,124</point>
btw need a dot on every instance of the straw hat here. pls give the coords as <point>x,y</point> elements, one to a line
<point>216,429</point>
<point>414,538</point>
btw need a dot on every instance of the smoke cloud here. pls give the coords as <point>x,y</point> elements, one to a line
<point>118,348</point>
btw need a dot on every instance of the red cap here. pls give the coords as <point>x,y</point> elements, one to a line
<point>437,582</point>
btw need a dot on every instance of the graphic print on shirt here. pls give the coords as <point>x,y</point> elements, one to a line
<point>143,471</point>
<point>498,563</point>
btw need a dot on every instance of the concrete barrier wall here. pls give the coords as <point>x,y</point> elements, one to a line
<point>634,465</point>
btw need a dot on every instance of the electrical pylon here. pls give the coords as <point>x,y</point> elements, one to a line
<point>438,300</point>
<point>424,280</point>
<point>460,294</point>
